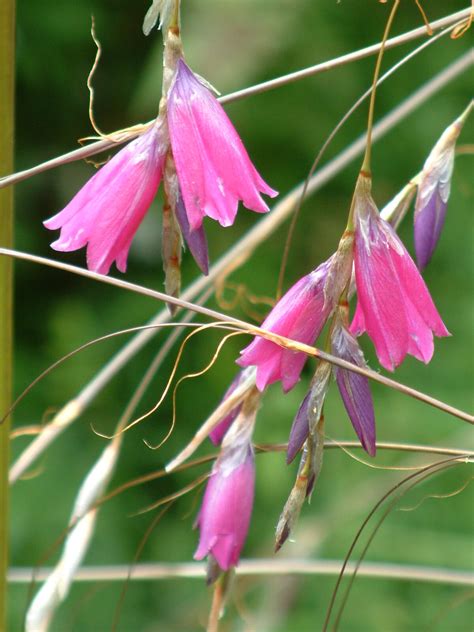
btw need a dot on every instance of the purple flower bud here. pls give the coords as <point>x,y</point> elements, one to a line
<point>195,239</point>
<point>354,388</point>
<point>433,191</point>
<point>310,411</point>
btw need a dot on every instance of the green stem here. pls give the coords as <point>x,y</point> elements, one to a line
<point>7,63</point>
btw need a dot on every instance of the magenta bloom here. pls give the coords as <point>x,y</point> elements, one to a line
<point>226,509</point>
<point>394,305</point>
<point>300,315</point>
<point>109,208</point>
<point>214,169</point>
<point>220,430</point>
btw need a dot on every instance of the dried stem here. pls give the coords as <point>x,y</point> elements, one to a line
<point>105,144</point>
<point>237,256</point>
<point>7,67</point>
<point>248,568</point>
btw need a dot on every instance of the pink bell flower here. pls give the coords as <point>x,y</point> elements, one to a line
<point>394,305</point>
<point>106,213</point>
<point>300,315</point>
<point>226,509</point>
<point>214,169</point>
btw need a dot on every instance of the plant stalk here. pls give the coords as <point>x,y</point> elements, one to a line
<point>7,65</point>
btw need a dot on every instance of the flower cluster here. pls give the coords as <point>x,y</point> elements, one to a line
<point>213,168</point>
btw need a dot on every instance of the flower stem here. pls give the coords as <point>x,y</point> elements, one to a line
<point>7,63</point>
<point>378,64</point>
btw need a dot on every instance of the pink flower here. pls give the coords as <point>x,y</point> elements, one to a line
<point>220,430</point>
<point>300,315</point>
<point>394,305</point>
<point>109,208</point>
<point>226,509</point>
<point>214,169</point>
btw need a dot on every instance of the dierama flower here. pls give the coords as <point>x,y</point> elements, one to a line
<point>394,305</point>
<point>434,187</point>
<point>220,430</point>
<point>354,388</point>
<point>300,315</point>
<point>213,167</point>
<point>106,213</point>
<point>226,509</point>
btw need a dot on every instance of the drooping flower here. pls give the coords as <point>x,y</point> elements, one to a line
<point>213,167</point>
<point>300,315</point>
<point>224,517</point>
<point>354,388</point>
<point>394,305</point>
<point>434,188</point>
<point>195,239</point>
<point>106,213</point>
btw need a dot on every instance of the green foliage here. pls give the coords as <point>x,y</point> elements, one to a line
<point>235,44</point>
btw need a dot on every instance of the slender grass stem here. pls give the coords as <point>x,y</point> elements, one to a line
<point>105,144</point>
<point>7,65</point>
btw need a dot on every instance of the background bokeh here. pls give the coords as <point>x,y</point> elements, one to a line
<point>235,43</point>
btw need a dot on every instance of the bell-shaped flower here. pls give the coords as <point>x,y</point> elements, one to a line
<point>394,305</point>
<point>224,517</point>
<point>354,388</point>
<point>434,186</point>
<point>213,166</point>
<point>106,213</point>
<point>300,315</point>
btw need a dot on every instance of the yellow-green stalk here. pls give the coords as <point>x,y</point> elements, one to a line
<point>7,64</point>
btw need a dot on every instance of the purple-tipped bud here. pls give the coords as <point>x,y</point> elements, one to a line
<point>394,305</point>
<point>354,388</point>
<point>433,191</point>
<point>309,413</point>
<point>195,239</point>
<point>213,167</point>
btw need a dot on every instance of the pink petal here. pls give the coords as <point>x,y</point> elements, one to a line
<point>213,167</point>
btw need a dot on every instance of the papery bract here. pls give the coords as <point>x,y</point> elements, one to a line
<point>434,187</point>
<point>213,167</point>
<point>354,388</point>
<point>300,315</point>
<point>394,305</point>
<point>226,509</point>
<point>106,213</point>
<point>310,410</point>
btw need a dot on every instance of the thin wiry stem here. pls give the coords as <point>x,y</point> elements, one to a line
<point>105,144</point>
<point>328,141</point>
<point>236,257</point>
<point>244,326</point>
<point>248,568</point>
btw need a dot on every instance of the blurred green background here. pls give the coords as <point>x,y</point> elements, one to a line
<point>234,44</point>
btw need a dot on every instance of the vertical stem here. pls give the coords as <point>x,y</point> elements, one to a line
<point>7,64</point>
